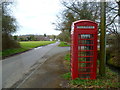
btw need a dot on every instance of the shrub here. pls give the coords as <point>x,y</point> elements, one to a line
<point>8,42</point>
<point>114,51</point>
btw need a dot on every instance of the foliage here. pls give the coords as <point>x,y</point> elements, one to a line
<point>114,51</point>
<point>67,61</point>
<point>78,10</point>
<point>74,10</point>
<point>113,62</point>
<point>8,42</point>
<point>67,57</point>
<point>32,37</point>
<point>64,36</point>
<point>45,35</point>
<point>63,44</point>
<point>9,26</point>
<point>21,39</point>
<point>24,47</point>
<point>15,37</point>
<point>109,81</point>
<point>67,76</point>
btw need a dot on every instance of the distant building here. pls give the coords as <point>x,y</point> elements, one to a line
<point>33,38</point>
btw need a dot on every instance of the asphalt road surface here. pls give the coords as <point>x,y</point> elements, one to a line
<point>17,68</point>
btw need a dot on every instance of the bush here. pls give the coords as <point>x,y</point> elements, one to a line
<point>114,51</point>
<point>64,36</point>
<point>8,42</point>
<point>63,44</point>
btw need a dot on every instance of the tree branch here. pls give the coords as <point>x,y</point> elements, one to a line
<point>111,21</point>
<point>71,9</point>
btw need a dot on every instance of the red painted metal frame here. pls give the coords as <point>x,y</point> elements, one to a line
<point>74,48</point>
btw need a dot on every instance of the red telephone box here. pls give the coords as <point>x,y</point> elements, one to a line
<point>84,49</point>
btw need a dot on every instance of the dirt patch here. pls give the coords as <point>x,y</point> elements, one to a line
<point>48,75</point>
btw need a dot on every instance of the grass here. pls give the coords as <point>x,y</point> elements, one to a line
<point>67,57</point>
<point>63,44</point>
<point>33,44</point>
<point>110,80</point>
<point>25,45</point>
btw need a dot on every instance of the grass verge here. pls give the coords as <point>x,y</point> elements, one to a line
<point>25,45</point>
<point>110,80</point>
<point>63,44</point>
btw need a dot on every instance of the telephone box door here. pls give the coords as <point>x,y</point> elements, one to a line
<point>87,55</point>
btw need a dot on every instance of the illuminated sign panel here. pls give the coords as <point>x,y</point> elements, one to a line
<point>85,27</point>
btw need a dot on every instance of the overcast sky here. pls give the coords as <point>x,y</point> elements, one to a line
<point>37,16</point>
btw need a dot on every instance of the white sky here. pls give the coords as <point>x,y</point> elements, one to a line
<point>37,16</point>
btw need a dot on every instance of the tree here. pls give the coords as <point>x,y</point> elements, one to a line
<point>9,26</point>
<point>102,40</point>
<point>32,37</point>
<point>76,10</point>
<point>45,35</point>
<point>115,47</point>
<point>64,36</point>
<point>21,39</point>
<point>15,37</point>
<point>29,38</point>
<point>111,17</point>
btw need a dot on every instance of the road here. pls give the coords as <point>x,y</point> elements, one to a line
<point>15,68</point>
<point>48,75</point>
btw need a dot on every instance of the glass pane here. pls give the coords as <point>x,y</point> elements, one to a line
<point>84,75</point>
<point>85,42</point>
<point>89,53</point>
<point>85,36</point>
<point>85,47</point>
<point>85,64</point>
<point>84,70</point>
<point>82,64</point>
<point>84,59</point>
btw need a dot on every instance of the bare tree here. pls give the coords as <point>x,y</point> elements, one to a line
<point>112,17</point>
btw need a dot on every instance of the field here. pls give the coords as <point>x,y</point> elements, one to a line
<point>25,45</point>
<point>33,44</point>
